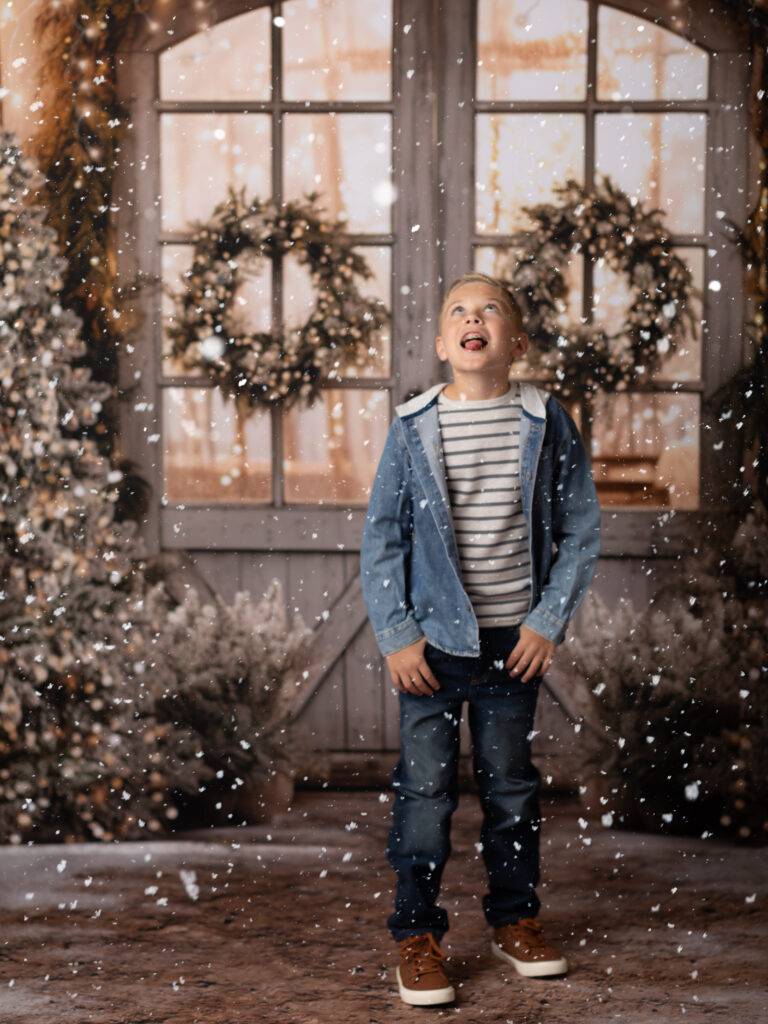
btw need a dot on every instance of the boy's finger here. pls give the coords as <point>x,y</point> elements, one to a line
<point>420,685</point>
<point>532,671</point>
<point>514,663</point>
<point>510,662</point>
<point>412,681</point>
<point>426,673</point>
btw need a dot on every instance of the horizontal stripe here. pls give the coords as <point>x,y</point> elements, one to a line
<point>467,419</point>
<point>514,573</point>
<point>458,461</point>
<point>497,621</point>
<point>508,592</point>
<point>483,524</point>
<point>493,490</point>
<point>473,536</point>
<point>476,549</point>
<point>462,447</point>
<point>466,511</point>
<point>499,597</point>
<point>502,581</point>
<point>477,468</point>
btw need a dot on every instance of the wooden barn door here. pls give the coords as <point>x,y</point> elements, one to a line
<point>429,126</point>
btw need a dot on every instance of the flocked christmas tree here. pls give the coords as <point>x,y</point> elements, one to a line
<point>72,763</point>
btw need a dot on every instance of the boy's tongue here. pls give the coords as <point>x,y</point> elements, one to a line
<point>474,344</point>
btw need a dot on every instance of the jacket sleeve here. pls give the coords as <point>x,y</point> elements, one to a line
<point>575,523</point>
<point>385,554</point>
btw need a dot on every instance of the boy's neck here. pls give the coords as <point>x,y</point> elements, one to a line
<point>469,388</point>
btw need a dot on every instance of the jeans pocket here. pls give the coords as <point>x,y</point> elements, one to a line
<point>433,654</point>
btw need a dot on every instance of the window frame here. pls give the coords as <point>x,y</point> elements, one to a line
<point>437,193</point>
<point>279,525</point>
<point>662,532</point>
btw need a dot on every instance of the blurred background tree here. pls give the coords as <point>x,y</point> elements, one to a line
<point>72,764</point>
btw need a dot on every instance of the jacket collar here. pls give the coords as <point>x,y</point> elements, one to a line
<point>533,400</point>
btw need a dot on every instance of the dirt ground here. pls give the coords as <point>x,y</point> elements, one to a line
<point>284,924</point>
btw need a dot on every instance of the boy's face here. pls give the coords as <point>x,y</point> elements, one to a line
<point>479,332</point>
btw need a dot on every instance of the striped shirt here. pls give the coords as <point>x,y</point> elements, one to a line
<point>481,449</point>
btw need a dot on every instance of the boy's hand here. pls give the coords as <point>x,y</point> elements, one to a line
<point>410,671</point>
<point>532,655</point>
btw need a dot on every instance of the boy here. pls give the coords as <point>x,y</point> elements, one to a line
<point>481,538</point>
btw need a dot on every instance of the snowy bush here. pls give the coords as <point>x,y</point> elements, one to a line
<point>225,684</point>
<point>675,695</point>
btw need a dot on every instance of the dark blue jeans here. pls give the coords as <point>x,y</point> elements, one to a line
<point>501,710</point>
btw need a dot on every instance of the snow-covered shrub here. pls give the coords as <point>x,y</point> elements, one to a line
<point>675,695</point>
<point>225,684</point>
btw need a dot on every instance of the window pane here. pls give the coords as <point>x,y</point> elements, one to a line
<point>531,51</point>
<point>519,158</point>
<point>203,155</point>
<point>299,298</point>
<point>379,260</point>
<point>213,450</point>
<point>660,158</point>
<point>645,449</point>
<point>251,308</point>
<point>333,447</point>
<point>337,50</point>
<point>686,362</point>
<point>347,159</point>
<point>612,299</point>
<point>640,61</point>
<point>176,260</point>
<point>229,61</point>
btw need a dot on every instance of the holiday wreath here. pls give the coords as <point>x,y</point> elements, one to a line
<point>270,368</point>
<point>603,224</point>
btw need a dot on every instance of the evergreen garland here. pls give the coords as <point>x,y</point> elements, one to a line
<point>77,148</point>
<point>276,367</point>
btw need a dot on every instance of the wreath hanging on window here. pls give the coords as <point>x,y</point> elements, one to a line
<point>603,224</point>
<point>277,367</point>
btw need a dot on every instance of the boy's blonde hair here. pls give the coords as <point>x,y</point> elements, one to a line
<point>477,277</point>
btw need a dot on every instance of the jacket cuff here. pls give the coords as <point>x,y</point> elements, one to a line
<point>403,635</point>
<point>546,624</point>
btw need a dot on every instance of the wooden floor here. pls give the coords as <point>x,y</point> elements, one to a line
<point>284,924</point>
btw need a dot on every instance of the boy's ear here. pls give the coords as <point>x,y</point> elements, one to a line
<point>442,355</point>
<point>522,344</point>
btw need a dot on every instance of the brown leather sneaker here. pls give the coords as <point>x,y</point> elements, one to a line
<point>524,946</point>
<point>421,979</point>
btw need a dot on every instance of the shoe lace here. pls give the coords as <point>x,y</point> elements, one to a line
<point>425,954</point>
<point>532,933</point>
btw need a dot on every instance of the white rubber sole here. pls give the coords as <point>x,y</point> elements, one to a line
<point>536,969</point>
<point>431,997</point>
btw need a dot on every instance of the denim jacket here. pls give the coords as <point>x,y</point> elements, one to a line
<point>410,569</point>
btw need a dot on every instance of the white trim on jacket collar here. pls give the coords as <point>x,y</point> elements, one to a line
<point>533,400</point>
